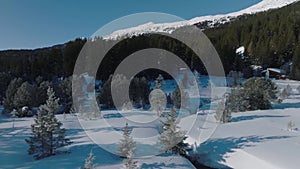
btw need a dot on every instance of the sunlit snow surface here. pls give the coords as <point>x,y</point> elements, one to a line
<point>257,139</point>
<point>150,27</point>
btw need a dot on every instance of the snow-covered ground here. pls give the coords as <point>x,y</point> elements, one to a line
<point>257,139</point>
<point>254,139</point>
<point>14,149</point>
<point>264,5</point>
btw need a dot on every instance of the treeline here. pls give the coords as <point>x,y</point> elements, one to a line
<point>271,39</point>
<point>56,61</point>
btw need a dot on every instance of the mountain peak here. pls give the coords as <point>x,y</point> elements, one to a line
<point>151,27</point>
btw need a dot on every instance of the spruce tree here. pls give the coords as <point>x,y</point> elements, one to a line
<point>129,163</point>
<point>171,138</point>
<point>127,143</point>
<point>47,132</point>
<point>89,162</point>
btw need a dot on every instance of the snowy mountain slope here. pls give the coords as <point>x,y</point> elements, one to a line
<point>264,5</point>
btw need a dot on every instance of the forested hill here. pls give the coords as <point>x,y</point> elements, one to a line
<point>271,39</point>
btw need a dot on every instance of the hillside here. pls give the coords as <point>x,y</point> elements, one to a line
<point>271,38</point>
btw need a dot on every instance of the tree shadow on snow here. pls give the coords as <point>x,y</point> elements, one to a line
<point>245,118</point>
<point>212,152</point>
<point>285,105</point>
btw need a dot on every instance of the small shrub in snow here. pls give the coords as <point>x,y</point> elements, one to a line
<point>127,143</point>
<point>89,162</point>
<point>291,126</point>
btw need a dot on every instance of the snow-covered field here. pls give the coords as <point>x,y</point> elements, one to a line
<point>256,139</point>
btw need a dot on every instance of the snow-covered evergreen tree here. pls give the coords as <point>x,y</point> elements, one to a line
<point>47,132</point>
<point>171,137</point>
<point>129,163</point>
<point>127,143</point>
<point>223,114</point>
<point>89,162</point>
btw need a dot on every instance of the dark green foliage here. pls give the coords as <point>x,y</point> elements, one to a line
<point>24,96</point>
<point>257,93</point>
<point>49,62</point>
<point>104,97</point>
<point>271,38</point>
<point>10,93</point>
<point>5,79</point>
<point>138,92</point>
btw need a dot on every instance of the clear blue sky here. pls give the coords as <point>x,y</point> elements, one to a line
<point>31,24</point>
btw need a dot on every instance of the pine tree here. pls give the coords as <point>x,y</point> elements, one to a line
<point>47,132</point>
<point>129,163</point>
<point>171,138</point>
<point>127,143</point>
<point>89,162</point>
